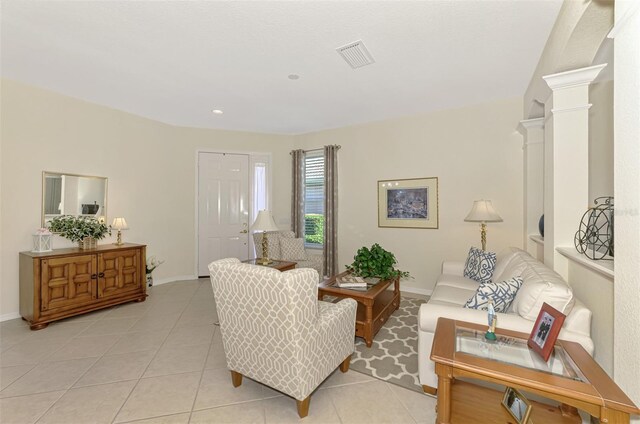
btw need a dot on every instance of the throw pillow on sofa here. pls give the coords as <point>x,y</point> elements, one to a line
<point>480,265</point>
<point>292,249</point>
<point>502,294</point>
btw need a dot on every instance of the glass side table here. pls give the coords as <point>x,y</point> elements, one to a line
<point>514,351</point>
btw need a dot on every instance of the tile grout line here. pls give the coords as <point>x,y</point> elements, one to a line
<point>202,371</point>
<point>154,357</point>
<point>87,370</point>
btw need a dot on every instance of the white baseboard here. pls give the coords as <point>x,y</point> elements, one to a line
<point>160,281</point>
<point>7,317</point>
<point>416,290</point>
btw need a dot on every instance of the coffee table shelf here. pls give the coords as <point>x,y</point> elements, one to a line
<point>375,305</point>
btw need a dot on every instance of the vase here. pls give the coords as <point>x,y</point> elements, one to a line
<point>88,243</point>
<point>541,225</point>
<point>149,280</point>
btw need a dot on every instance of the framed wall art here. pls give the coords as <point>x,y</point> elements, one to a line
<point>545,331</point>
<point>411,203</point>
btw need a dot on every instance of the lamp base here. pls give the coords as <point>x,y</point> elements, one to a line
<point>119,239</point>
<point>264,261</point>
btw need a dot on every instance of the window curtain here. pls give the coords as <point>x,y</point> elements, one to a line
<point>297,197</point>
<point>330,253</point>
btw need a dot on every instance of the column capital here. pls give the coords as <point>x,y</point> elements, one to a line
<point>573,78</point>
<point>526,124</point>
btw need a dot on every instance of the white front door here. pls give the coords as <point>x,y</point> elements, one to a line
<point>223,209</point>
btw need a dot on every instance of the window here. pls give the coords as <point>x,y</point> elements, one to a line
<point>314,199</point>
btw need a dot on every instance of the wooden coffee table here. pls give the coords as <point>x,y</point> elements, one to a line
<point>571,377</point>
<point>375,305</point>
<point>279,265</point>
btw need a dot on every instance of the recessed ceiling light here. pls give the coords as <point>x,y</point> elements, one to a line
<point>217,111</point>
<point>294,76</point>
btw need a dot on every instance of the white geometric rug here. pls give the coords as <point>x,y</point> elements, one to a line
<point>393,356</point>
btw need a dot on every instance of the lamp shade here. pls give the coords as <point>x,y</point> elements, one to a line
<point>483,211</point>
<point>264,222</point>
<point>119,224</point>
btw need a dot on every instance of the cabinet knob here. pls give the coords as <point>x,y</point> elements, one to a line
<point>94,276</point>
<point>101,275</point>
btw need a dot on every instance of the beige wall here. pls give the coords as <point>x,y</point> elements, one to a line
<point>601,140</point>
<point>475,152</point>
<point>626,35</point>
<point>150,166</point>
<point>596,292</point>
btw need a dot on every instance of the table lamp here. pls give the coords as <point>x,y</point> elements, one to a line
<point>264,222</point>
<point>483,212</point>
<point>119,224</point>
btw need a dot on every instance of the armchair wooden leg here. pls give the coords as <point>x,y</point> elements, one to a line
<point>236,378</point>
<point>429,390</point>
<point>303,406</point>
<point>344,366</point>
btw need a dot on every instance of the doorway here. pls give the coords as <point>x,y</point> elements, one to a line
<point>223,208</point>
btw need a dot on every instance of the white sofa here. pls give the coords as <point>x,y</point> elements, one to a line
<point>540,285</point>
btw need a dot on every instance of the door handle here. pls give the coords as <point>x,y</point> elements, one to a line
<point>94,276</point>
<point>101,275</point>
<point>244,232</point>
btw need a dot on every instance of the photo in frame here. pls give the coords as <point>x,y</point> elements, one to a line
<point>517,405</point>
<point>545,331</point>
<point>408,203</point>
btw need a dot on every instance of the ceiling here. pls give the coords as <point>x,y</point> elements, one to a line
<point>176,61</point>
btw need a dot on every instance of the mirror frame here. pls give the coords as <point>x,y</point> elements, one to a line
<point>51,173</point>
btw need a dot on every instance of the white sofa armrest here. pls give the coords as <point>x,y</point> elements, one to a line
<point>453,267</point>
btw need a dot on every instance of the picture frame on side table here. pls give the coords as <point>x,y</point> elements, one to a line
<point>517,405</point>
<point>545,331</point>
<point>408,203</point>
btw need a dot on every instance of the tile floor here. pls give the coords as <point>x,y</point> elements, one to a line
<point>161,361</point>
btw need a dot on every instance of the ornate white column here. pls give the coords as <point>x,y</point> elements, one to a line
<point>532,131</point>
<point>566,160</point>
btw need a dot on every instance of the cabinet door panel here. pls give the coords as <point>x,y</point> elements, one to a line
<point>67,282</point>
<point>119,273</point>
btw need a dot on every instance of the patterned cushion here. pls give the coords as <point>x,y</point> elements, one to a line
<point>480,265</point>
<point>292,249</point>
<point>502,294</point>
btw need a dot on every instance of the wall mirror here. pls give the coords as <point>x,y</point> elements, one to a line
<point>73,194</point>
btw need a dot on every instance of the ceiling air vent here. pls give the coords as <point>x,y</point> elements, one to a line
<point>356,54</point>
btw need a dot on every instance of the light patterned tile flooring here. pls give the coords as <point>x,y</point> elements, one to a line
<point>161,361</point>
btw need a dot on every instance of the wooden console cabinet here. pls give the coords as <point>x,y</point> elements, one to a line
<point>67,282</point>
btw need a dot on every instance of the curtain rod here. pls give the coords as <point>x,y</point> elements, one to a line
<point>319,148</point>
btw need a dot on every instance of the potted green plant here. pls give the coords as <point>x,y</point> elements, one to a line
<point>81,229</point>
<point>376,262</point>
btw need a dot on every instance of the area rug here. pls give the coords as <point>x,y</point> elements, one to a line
<point>393,356</point>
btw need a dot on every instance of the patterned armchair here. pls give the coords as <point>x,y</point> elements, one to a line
<point>275,331</point>
<point>277,250</point>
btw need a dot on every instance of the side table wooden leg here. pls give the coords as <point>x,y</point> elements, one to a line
<point>610,416</point>
<point>444,397</point>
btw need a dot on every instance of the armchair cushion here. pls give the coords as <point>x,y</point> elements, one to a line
<point>275,238</point>
<point>292,249</point>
